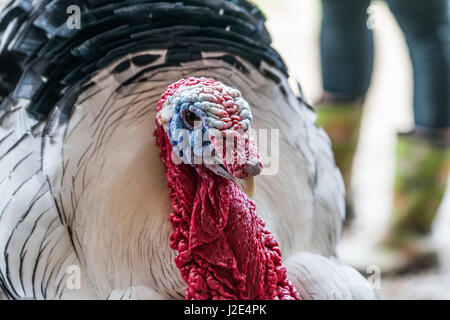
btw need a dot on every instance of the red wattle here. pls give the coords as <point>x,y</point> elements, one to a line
<point>224,250</point>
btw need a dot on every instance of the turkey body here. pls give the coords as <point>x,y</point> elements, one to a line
<point>83,190</point>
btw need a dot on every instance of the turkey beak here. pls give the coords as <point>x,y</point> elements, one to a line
<point>247,185</point>
<point>245,178</point>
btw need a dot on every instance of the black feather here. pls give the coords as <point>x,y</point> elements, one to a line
<point>42,58</point>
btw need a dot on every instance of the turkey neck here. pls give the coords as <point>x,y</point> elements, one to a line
<point>224,250</point>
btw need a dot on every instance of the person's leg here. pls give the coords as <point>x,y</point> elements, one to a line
<point>426,25</point>
<point>347,59</point>
<point>422,164</point>
<point>346,48</point>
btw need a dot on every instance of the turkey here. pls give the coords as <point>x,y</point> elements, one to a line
<point>92,203</point>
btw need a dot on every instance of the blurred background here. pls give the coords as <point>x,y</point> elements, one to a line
<point>295,28</point>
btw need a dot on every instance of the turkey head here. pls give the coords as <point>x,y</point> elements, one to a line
<point>208,123</point>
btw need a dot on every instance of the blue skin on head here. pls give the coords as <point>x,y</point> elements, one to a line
<point>183,135</point>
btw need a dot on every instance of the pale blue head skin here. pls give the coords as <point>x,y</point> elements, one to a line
<point>193,117</point>
<point>181,128</point>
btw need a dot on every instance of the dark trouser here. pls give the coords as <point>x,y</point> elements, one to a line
<point>347,53</point>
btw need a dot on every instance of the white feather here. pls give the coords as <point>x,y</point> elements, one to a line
<point>105,183</point>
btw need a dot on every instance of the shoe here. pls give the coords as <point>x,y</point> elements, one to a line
<point>342,121</point>
<point>422,169</point>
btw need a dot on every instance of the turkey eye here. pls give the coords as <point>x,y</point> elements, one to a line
<point>190,118</point>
